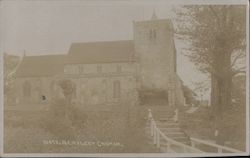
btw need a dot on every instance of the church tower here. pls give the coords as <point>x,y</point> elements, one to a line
<point>156,54</point>
<point>155,49</point>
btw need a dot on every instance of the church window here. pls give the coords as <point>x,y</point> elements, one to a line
<point>152,34</point>
<point>119,68</point>
<point>99,69</point>
<point>74,89</point>
<point>26,89</point>
<point>81,69</point>
<point>116,89</point>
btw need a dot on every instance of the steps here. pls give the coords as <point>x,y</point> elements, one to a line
<point>172,130</point>
<point>163,116</point>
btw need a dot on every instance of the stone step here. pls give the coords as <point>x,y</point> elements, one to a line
<point>166,129</point>
<point>184,140</point>
<point>167,125</point>
<point>173,149</point>
<point>160,116</point>
<point>162,123</point>
<point>166,119</point>
<point>165,150</point>
<point>175,134</point>
<point>167,113</point>
<point>164,143</point>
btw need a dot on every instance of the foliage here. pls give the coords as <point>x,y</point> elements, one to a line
<point>68,88</point>
<point>216,38</point>
<point>189,95</point>
<point>10,65</point>
<point>210,31</point>
<point>145,95</point>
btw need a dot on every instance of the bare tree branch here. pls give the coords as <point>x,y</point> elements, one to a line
<point>236,58</point>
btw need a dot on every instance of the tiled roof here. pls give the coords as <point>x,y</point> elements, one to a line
<point>45,65</point>
<point>79,53</point>
<point>101,52</point>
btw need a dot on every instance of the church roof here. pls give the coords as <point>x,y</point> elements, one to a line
<point>79,53</point>
<point>36,66</point>
<point>101,52</point>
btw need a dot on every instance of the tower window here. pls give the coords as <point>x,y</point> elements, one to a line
<point>152,34</point>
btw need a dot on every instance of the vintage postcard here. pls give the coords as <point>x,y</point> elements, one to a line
<point>124,78</point>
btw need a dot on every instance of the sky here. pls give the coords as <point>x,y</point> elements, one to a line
<point>49,27</point>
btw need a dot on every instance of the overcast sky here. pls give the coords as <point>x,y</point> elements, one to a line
<point>43,27</point>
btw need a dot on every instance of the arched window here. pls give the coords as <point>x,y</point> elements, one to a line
<point>116,89</point>
<point>74,89</point>
<point>26,89</point>
<point>152,34</point>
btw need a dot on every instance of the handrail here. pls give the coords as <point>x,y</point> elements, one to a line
<point>219,147</point>
<point>178,143</point>
<point>156,133</point>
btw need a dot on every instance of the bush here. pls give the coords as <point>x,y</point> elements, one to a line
<point>63,120</point>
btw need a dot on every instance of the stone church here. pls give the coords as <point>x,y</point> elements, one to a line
<point>106,72</point>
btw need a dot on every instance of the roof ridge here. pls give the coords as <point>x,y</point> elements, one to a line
<point>44,55</point>
<point>102,41</point>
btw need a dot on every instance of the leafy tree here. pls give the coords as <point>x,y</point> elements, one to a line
<point>68,89</point>
<point>189,95</point>
<point>216,39</point>
<point>10,65</point>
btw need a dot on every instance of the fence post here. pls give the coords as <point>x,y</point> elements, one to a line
<point>176,115</point>
<point>168,146</point>
<point>151,128</point>
<point>184,148</point>
<point>154,134</point>
<point>219,150</point>
<point>158,138</point>
<point>192,143</point>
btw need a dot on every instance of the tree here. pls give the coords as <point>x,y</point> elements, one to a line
<point>11,63</point>
<point>216,39</point>
<point>68,89</point>
<point>189,95</point>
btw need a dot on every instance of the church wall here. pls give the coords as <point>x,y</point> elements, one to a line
<point>100,90</point>
<point>92,85</point>
<point>78,69</point>
<point>95,82</point>
<point>40,90</point>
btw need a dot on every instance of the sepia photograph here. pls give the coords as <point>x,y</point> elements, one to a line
<point>124,78</point>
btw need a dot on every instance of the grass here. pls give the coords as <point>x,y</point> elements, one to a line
<point>28,131</point>
<point>200,125</point>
